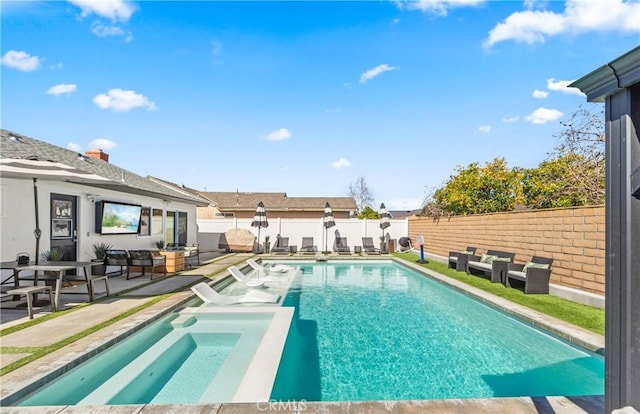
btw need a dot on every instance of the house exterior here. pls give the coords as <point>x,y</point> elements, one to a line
<point>240,205</point>
<point>69,208</point>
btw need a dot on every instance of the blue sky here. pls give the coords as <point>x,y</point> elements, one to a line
<point>305,97</point>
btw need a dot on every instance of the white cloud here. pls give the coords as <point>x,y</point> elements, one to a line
<point>579,16</point>
<point>543,115</point>
<point>74,147</point>
<point>511,119</point>
<point>216,48</point>
<point>372,73</point>
<point>101,30</point>
<point>57,66</point>
<point>341,163</point>
<point>102,143</point>
<point>20,60</point>
<point>62,89</point>
<point>403,204</point>
<point>278,135</point>
<point>538,94</point>
<point>395,21</point>
<point>121,100</point>
<point>115,10</point>
<point>437,7</point>
<point>563,86</point>
<point>485,129</point>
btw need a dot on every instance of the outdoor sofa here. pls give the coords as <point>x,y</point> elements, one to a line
<point>535,274</point>
<point>493,263</point>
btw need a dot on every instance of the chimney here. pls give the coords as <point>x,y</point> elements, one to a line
<point>98,154</point>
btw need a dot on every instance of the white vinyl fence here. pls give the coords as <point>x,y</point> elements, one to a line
<point>295,229</point>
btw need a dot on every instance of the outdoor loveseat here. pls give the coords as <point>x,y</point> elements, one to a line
<point>493,263</point>
<point>535,274</point>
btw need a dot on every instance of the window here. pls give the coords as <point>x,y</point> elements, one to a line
<point>145,221</point>
<point>156,222</point>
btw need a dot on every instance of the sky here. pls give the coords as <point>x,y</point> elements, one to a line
<point>305,97</point>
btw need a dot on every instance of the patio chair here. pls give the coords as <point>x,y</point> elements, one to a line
<point>146,258</point>
<point>535,274</point>
<point>210,295</point>
<point>118,258</point>
<point>307,246</point>
<point>341,246</point>
<point>192,253</point>
<point>279,268</point>
<point>462,264</point>
<point>281,246</point>
<point>368,246</point>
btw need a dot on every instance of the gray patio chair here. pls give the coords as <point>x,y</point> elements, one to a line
<point>461,265</point>
<point>535,274</point>
<point>368,246</point>
<point>120,258</point>
<point>281,246</point>
<point>307,246</point>
<point>146,258</point>
<point>341,246</point>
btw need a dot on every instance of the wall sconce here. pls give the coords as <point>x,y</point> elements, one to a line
<point>92,197</point>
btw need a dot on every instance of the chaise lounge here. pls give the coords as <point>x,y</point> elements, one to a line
<point>210,295</point>
<point>493,263</point>
<point>281,246</point>
<point>307,246</point>
<point>341,246</point>
<point>368,246</point>
<point>535,274</point>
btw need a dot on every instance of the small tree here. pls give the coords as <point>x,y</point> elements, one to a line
<point>360,192</point>
<point>368,213</point>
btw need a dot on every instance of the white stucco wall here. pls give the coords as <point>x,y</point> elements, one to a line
<point>17,217</point>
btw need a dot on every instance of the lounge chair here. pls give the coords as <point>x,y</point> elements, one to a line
<point>279,268</point>
<point>281,246</point>
<point>118,258</point>
<point>535,274</point>
<point>367,245</point>
<point>458,260</point>
<point>341,246</point>
<point>210,295</point>
<point>307,246</point>
<point>494,263</point>
<point>250,282</point>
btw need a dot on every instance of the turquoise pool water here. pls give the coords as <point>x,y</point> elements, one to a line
<point>365,331</point>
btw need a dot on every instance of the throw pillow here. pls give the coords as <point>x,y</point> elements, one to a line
<point>467,252</point>
<point>535,265</point>
<point>487,258</point>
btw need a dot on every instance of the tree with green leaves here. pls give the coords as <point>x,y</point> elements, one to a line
<point>481,189</point>
<point>369,213</point>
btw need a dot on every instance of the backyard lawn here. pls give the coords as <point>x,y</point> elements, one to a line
<point>586,317</point>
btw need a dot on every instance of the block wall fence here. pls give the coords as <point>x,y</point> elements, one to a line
<point>574,237</point>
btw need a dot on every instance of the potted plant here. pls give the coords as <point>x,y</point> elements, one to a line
<point>160,244</point>
<point>53,255</point>
<point>100,255</point>
<point>267,245</point>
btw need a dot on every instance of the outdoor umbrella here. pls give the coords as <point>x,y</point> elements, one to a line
<point>45,170</point>
<point>260,219</point>
<point>384,218</point>
<point>328,223</point>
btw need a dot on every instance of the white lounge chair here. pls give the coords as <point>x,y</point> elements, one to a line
<point>209,295</point>
<point>279,268</point>
<point>241,277</point>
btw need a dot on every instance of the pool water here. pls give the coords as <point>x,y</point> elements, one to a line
<point>181,359</point>
<point>381,331</point>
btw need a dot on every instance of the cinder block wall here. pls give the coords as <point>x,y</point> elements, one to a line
<point>573,237</point>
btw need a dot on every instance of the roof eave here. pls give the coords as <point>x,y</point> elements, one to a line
<point>611,78</point>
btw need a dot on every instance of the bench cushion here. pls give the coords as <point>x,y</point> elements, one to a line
<point>518,275</point>
<point>480,265</point>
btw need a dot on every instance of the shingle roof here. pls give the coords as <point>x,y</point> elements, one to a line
<point>14,145</point>
<point>277,201</point>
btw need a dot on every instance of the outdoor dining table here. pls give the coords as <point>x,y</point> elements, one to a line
<point>59,268</point>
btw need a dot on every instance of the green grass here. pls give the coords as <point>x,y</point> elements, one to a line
<point>586,317</point>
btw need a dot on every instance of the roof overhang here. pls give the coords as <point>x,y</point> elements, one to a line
<point>611,78</point>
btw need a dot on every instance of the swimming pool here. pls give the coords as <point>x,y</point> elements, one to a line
<point>381,331</point>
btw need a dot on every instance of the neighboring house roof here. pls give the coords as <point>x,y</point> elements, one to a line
<point>277,202</point>
<point>18,146</point>
<point>245,201</point>
<point>398,214</point>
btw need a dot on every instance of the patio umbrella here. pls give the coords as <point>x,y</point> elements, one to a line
<point>328,222</point>
<point>45,170</point>
<point>384,218</point>
<point>260,219</point>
